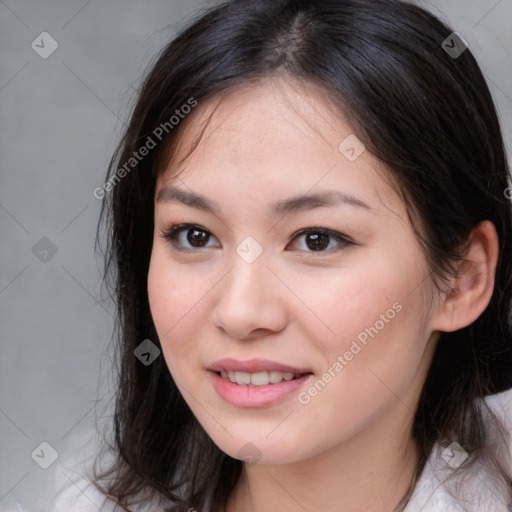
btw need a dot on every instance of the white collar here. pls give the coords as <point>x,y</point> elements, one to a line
<point>473,490</point>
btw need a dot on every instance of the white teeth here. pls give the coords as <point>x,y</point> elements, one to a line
<point>257,378</point>
<point>242,378</point>
<point>276,377</point>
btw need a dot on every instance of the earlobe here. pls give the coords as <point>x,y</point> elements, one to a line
<point>472,288</point>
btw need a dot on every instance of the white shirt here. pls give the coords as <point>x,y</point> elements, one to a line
<point>473,490</point>
<point>431,493</point>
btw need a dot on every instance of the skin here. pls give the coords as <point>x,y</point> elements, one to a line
<point>350,447</point>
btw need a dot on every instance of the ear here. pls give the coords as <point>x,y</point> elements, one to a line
<point>472,288</point>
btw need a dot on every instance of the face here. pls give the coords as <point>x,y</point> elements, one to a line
<point>316,308</point>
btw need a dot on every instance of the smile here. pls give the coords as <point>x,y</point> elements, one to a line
<point>258,378</point>
<point>243,389</point>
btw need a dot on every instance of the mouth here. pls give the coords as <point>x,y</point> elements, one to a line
<point>257,379</point>
<point>256,383</point>
<point>260,394</point>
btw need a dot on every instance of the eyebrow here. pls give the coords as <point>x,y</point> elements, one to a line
<point>293,204</point>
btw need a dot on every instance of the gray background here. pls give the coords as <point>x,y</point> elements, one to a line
<point>61,118</point>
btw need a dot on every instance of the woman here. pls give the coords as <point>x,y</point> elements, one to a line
<point>310,238</point>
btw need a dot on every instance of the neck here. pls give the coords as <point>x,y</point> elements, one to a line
<point>371,471</point>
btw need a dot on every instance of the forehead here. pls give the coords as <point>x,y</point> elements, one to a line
<point>268,136</point>
<point>275,113</point>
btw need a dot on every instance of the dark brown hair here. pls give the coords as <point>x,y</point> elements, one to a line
<point>427,115</point>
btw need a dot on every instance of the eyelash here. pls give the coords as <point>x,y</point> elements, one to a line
<point>170,234</point>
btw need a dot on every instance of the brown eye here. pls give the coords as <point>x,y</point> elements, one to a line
<point>188,237</point>
<point>195,235</point>
<point>321,240</point>
<point>317,241</point>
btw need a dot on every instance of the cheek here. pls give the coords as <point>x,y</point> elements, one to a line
<point>173,301</point>
<point>360,304</point>
<point>375,340</point>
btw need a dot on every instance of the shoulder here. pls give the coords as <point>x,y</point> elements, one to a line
<point>440,489</point>
<point>72,487</point>
<point>501,405</point>
<point>73,491</point>
<point>81,496</point>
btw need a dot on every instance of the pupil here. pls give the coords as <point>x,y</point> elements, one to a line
<point>313,241</point>
<point>197,237</point>
<point>322,237</point>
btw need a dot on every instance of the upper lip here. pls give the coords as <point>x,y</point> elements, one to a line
<point>253,366</point>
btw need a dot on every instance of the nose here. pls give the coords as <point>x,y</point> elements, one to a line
<point>250,302</point>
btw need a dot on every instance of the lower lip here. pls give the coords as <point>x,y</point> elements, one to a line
<point>256,396</point>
